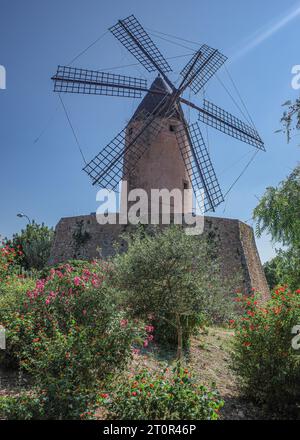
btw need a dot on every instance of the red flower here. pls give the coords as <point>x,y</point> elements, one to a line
<point>134,393</point>
<point>77,281</point>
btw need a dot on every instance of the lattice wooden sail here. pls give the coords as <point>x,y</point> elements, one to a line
<point>109,165</point>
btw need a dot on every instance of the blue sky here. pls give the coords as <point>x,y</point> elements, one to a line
<point>44,179</point>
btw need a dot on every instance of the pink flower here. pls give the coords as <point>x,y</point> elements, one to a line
<point>136,351</point>
<point>123,322</point>
<point>77,281</point>
<point>40,285</point>
<point>146,343</point>
<point>84,312</point>
<point>95,282</point>
<point>149,328</point>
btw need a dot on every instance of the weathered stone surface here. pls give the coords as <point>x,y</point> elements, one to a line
<point>83,238</point>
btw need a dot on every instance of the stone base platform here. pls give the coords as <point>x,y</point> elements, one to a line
<point>82,237</point>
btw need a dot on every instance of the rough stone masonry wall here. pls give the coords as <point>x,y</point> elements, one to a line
<point>83,238</point>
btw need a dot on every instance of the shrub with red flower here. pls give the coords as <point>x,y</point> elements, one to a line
<point>67,292</point>
<point>70,335</point>
<point>8,256</point>
<point>161,395</point>
<point>267,365</point>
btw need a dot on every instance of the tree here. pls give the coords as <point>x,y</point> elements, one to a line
<point>284,269</point>
<point>172,276</point>
<point>290,116</point>
<point>35,243</point>
<point>278,213</point>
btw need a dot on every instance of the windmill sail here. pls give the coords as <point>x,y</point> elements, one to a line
<point>202,66</point>
<point>223,121</point>
<point>134,37</point>
<point>198,163</point>
<point>74,80</point>
<point>108,167</point>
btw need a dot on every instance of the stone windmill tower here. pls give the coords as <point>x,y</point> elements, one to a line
<point>161,166</point>
<point>158,149</point>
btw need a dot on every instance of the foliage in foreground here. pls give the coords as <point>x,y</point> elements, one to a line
<point>161,395</point>
<point>284,269</point>
<point>8,257</point>
<point>175,278</point>
<point>278,214</point>
<point>267,365</point>
<point>22,407</point>
<point>70,336</point>
<point>35,243</point>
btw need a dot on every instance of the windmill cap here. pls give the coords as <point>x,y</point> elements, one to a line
<point>152,100</point>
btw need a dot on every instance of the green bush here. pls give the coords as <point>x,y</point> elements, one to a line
<point>13,297</point>
<point>22,407</point>
<point>35,243</point>
<point>8,261</point>
<point>14,287</point>
<point>166,333</point>
<point>70,336</point>
<point>161,395</point>
<point>267,366</point>
<point>284,269</point>
<point>172,276</point>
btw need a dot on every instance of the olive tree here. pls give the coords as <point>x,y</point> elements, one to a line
<point>173,276</point>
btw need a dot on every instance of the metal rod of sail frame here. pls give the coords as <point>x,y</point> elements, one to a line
<point>147,55</point>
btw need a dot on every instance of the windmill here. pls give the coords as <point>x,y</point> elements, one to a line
<point>124,157</point>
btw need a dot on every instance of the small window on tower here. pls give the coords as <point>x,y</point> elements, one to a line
<point>172,128</point>
<point>185,184</point>
<point>130,131</point>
